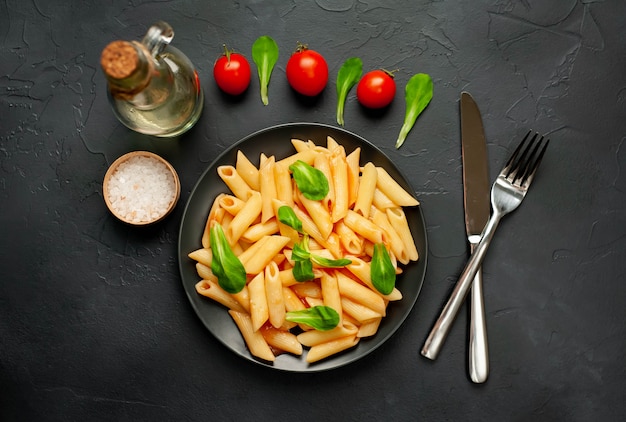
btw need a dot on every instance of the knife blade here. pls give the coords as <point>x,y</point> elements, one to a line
<point>476,199</point>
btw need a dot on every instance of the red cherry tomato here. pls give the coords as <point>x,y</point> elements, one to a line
<point>376,89</point>
<point>307,71</point>
<point>232,72</point>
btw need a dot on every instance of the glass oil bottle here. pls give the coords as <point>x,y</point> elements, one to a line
<point>153,87</point>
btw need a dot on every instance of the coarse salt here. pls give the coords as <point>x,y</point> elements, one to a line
<point>141,189</point>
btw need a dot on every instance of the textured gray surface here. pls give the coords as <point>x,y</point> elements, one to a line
<point>94,322</point>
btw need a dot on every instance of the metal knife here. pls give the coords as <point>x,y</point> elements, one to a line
<point>476,196</point>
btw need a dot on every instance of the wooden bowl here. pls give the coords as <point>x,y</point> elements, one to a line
<point>141,188</point>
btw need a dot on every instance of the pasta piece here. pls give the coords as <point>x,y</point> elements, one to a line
<point>234,181</point>
<point>352,161</point>
<point>282,340</point>
<point>284,229</point>
<point>299,145</point>
<point>248,214</point>
<point>390,187</point>
<point>323,350</point>
<point>352,243</point>
<point>292,301</point>
<point>248,172</point>
<point>257,231</point>
<point>382,201</point>
<point>359,293</point>
<point>206,243</point>
<point>274,293</point>
<point>308,156</point>
<point>287,278</point>
<point>254,339</point>
<point>203,271</point>
<point>358,311</point>
<point>243,297</point>
<point>362,271</point>
<point>322,163</point>
<point>284,185</point>
<point>398,220</point>
<point>330,291</point>
<point>339,181</point>
<point>365,194</point>
<point>307,289</point>
<point>390,236</point>
<point>231,204</point>
<point>315,337</point>
<point>363,227</point>
<point>259,310</point>
<point>259,255</point>
<point>369,328</point>
<point>331,144</point>
<point>203,256</point>
<point>320,216</point>
<point>209,288</point>
<point>268,189</point>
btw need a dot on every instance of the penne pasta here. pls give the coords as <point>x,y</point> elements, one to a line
<point>393,190</point>
<point>363,208</point>
<point>268,189</point>
<point>282,340</point>
<point>248,172</point>
<point>274,293</point>
<point>254,339</point>
<point>359,293</point>
<point>244,218</point>
<point>323,350</point>
<point>314,337</point>
<point>257,231</point>
<point>259,310</point>
<point>365,193</point>
<point>234,181</point>
<point>398,219</point>
<point>211,289</point>
<point>363,227</point>
<point>261,253</point>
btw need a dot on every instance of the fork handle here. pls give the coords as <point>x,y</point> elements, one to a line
<point>478,346</point>
<point>443,324</point>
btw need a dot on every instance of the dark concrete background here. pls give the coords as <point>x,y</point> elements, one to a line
<point>94,322</point>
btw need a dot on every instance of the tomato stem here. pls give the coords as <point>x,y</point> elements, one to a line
<point>301,47</point>
<point>391,73</point>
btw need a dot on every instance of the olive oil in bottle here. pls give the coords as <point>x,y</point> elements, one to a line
<point>153,87</point>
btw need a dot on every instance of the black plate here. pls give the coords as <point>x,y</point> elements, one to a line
<point>277,141</point>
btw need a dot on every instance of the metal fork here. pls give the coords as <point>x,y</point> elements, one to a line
<point>507,194</point>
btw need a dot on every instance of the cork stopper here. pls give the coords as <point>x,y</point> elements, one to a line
<point>119,59</point>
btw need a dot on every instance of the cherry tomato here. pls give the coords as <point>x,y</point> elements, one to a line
<point>232,72</point>
<point>307,71</point>
<point>376,89</point>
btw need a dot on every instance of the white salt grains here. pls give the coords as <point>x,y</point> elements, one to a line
<point>141,190</point>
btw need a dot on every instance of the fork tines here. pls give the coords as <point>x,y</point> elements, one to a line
<point>521,168</point>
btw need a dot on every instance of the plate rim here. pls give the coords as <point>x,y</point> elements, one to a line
<point>378,339</point>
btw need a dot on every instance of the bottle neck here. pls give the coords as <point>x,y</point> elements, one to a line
<point>127,67</point>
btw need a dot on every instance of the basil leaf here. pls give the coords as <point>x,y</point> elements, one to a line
<point>311,181</point>
<point>417,94</point>
<point>287,216</point>
<point>265,55</point>
<point>300,253</point>
<point>230,272</point>
<point>330,263</point>
<point>303,270</point>
<point>382,270</point>
<point>348,75</point>
<point>321,318</point>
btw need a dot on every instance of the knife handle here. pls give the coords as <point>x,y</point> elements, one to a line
<point>439,332</point>
<point>478,346</point>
